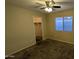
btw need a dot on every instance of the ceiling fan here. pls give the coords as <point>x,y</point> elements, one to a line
<point>48,6</point>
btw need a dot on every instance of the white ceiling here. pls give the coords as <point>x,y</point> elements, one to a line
<point>65,4</point>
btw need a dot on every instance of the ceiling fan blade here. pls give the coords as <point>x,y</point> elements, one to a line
<point>56,6</point>
<point>42,7</point>
<point>39,4</point>
<point>47,3</point>
<point>53,2</point>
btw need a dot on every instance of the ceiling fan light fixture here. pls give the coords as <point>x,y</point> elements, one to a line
<point>48,9</point>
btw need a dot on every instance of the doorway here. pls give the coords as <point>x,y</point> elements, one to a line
<point>38,29</point>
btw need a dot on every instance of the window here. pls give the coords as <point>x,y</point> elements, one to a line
<point>64,24</point>
<point>59,24</point>
<point>68,24</point>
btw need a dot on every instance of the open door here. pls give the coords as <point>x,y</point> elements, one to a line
<point>38,29</point>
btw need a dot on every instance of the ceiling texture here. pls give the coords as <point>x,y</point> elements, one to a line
<point>32,4</point>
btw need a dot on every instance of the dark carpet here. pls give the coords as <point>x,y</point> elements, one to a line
<point>50,49</point>
<point>47,49</point>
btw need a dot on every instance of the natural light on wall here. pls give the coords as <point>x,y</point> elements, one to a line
<point>48,9</point>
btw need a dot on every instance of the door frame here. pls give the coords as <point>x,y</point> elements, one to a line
<point>42,27</point>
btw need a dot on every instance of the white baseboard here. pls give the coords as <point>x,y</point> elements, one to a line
<point>60,40</point>
<point>11,54</point>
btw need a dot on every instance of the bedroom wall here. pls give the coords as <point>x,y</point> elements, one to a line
<point>20,28</point>
<point>67,37</point>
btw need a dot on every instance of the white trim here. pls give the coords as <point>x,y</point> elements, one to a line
<point>60,40</point>
<point>41,27</point>
<point>15,52</point>
<point>18,51</point>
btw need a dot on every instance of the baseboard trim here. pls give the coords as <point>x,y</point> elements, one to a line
<point>61,41</point>
<point>11,54</point>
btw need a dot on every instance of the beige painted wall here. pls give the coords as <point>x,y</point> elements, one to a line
<point>20,28</point>
<point>60,36</point>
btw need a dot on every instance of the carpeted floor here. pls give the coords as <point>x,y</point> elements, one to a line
<point>48,49</point>
<point>51,49</point>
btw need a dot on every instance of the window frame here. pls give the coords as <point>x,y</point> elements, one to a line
<point>64,25</point>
